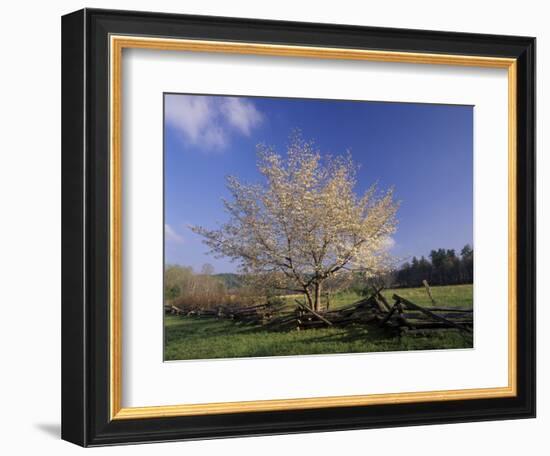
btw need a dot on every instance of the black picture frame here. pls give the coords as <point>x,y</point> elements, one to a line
<point>85,225</point>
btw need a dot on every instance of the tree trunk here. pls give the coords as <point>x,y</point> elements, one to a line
<point>317,296</point>
<point>308,297</point>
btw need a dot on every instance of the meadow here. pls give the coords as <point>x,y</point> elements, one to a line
<point>207,338</point>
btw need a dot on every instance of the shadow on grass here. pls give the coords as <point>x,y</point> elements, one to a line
<point>352,333</point>
<point>191,326</point>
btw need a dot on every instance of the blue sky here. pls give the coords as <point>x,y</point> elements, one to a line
<point>424,151</point>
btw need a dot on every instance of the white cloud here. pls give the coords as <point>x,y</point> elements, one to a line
<point>208,121</point>
<point>242,114</point>
<point>171,235</point>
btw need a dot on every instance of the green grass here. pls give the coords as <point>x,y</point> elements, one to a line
<point>445,296</point>
<point>207,338</point>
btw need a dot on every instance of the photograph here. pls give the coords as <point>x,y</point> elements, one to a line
<point>298,226</point>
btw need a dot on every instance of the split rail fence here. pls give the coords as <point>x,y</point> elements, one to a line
<point>401,315</point>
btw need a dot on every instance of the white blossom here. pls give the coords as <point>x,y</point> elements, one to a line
<point>304,223</point>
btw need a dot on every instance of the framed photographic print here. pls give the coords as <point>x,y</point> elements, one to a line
<point>277,227</point>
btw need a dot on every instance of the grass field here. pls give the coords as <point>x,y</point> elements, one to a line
<point>193,338</point>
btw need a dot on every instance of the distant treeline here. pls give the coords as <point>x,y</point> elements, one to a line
<point>444,267</point>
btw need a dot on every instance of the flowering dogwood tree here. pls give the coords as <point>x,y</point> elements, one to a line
<point>304,224</point>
